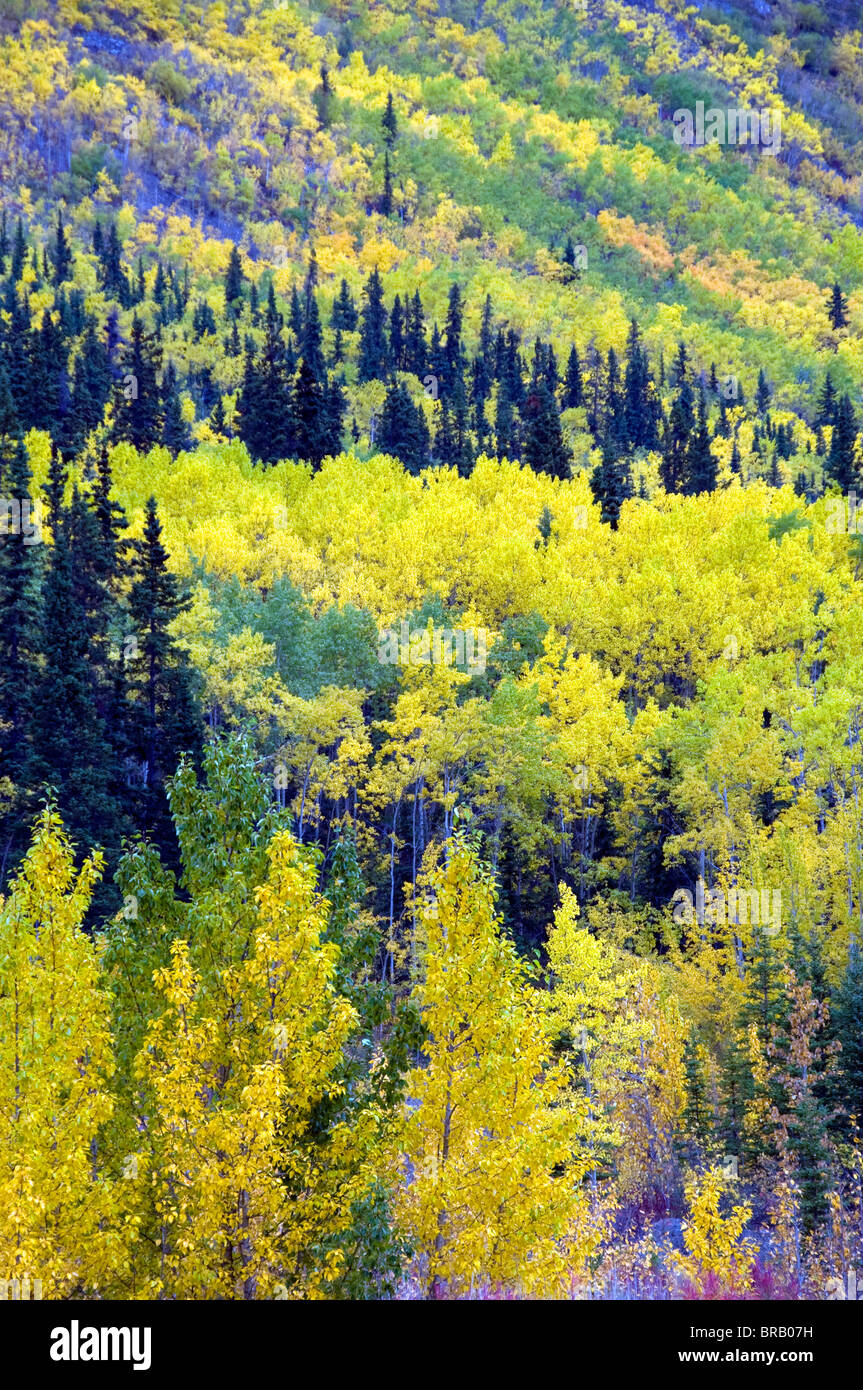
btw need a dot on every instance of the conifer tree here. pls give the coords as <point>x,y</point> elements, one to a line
<point>164,720</point>
<point>234,282</point>
<point>640,425</point>
<point>203,320</point>
<point>678,432</point>
<point>160,284</point>
<point>175,431</point>
<point>701,475</point>
<point>373,361</point>
<point>91,389</point>
<point>403,430</point>
<point>762,393</point>
<point>386,203</point>
<point>137,399</point>
<point>19,252</point>
<point>453,378</point>
<point>544,449</point>
<point>842,467</point>
<point>847,1010</point>
<point>113,276</point>
<point>573,394</point>
<point>111,522</point>
<point>723,429</point>
<point>764,1001</point>
<point>464,453</point>
<point>10,424</point>
<point>48,384</point>
<point>486,347</point>
<point>310,281</point>
<point>614,422</point>
<point>415,348</point>
<point>55,486</point>
<point>838,308</point>
<point>218,422</point>
<point>323,98</point>
<point>827,402</point>
<point>437,358</point>
<point>697,1118</point>
<point>73,748</point>
<point>504,423</point>
<point>611,485</point>
<point>680,366</point>
<point>311,341</point>
<point>335,409</point>
<point>800,1063</point>
<point>444,444</point>
<point>344,315</point>
<point>596,390</point>
<point>397,338</point>
<point>309,415</point>
<point>295,313</point>
<point>20,564</point>
<point>61,254</point>
<point>19,355</point>
<point>736,1087</point>
<point>389,123</point>
<point>265,403</point>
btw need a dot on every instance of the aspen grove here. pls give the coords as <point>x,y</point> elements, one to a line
<point>431,681</point>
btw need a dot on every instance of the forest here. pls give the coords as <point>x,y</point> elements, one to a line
<point>431,687</point>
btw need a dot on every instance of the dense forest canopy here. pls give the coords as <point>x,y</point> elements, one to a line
<point>431,688</point>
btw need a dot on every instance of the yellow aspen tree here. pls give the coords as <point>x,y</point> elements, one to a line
<point>516,773</point>
<point>587,1006</point>
<point>239,676</point>
<point>492,1191</point>
<point>716,1249</point>
<point>429,743</point>
<point>327,749</point>
<point>240,1202</point>
<point>58,1215</point>
<point>585,715</point>
<point>650,1092</point>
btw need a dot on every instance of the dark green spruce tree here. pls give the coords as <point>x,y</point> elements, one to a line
<point>841,466</point>
<point>674,467</point>
<point>21,556</point>
<point>175,432</point>
<point>402,430</point>
<point>837,309</point>
<point>164,717</point>
<point>544,449</point>
<point>61,253</point>
<point>701,465</point>
<point>344,315</point>
<point>234,282</point>
<point>137,398</point>
<point>373,359</point>
<point>611,485</point>
<point>74,748</point>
